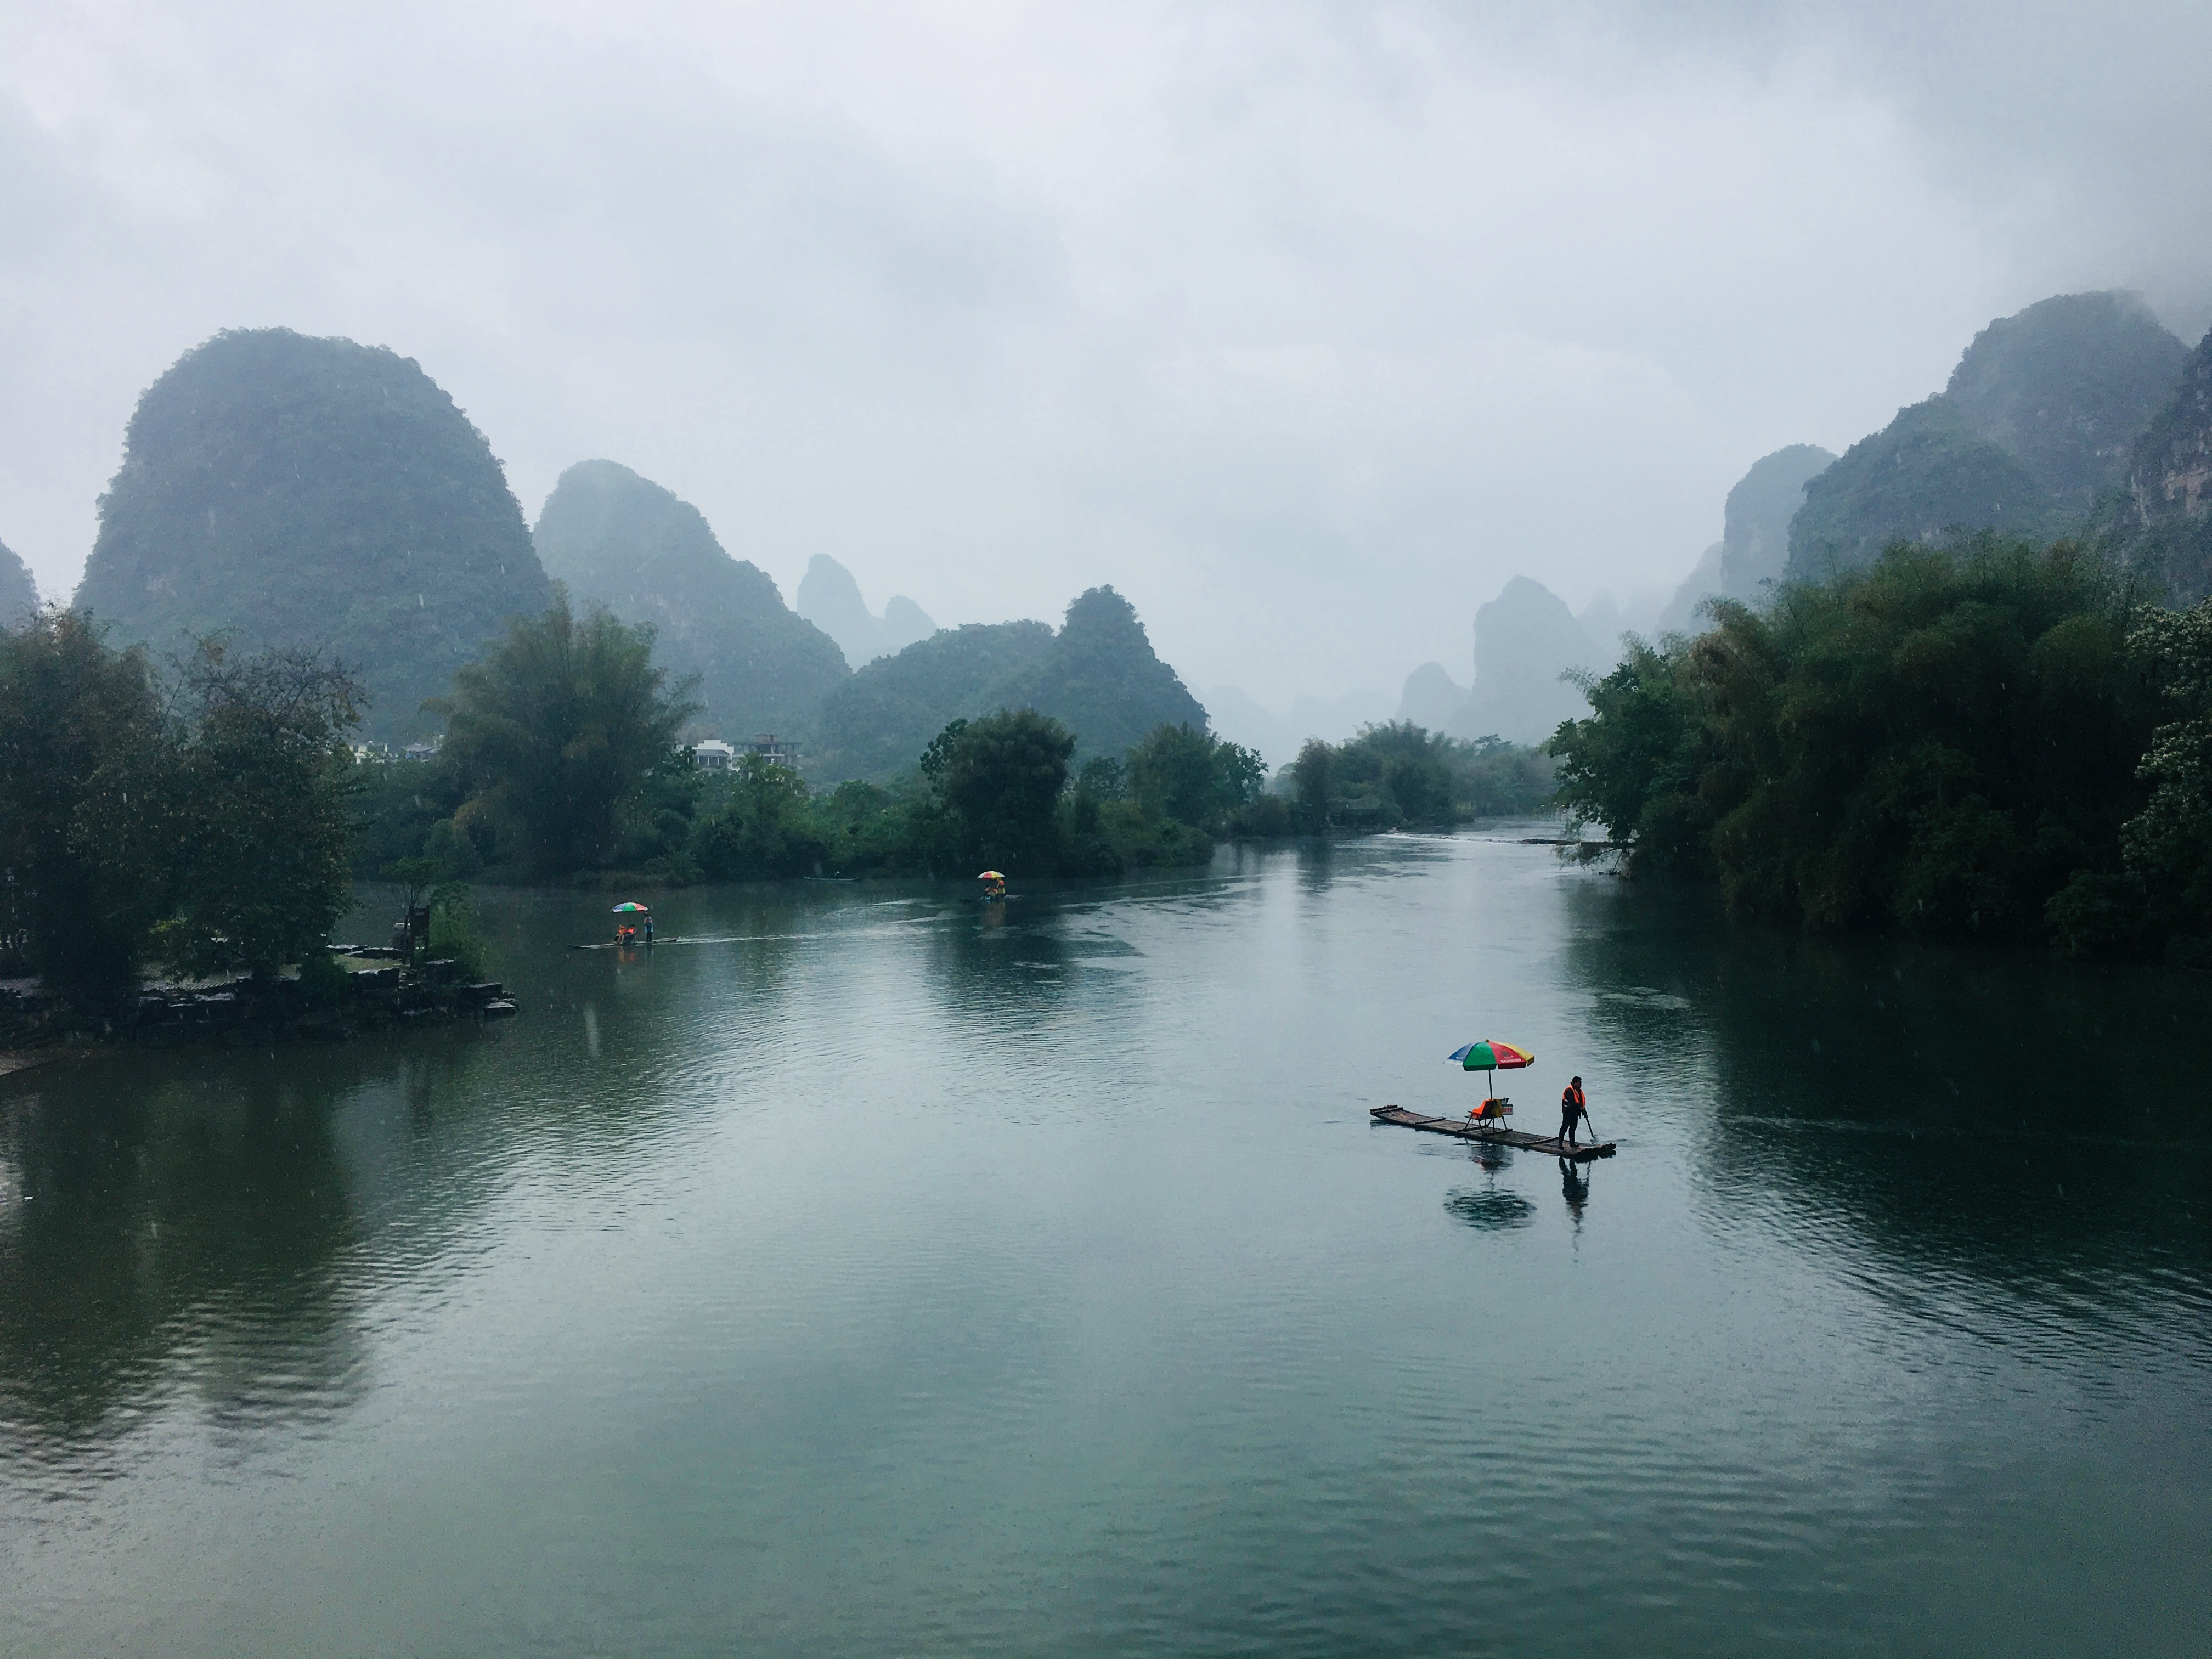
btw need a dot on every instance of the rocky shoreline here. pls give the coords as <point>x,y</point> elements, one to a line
<point>251,1013</point>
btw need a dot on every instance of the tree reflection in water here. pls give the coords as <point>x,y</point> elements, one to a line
<point>1991,1126</point>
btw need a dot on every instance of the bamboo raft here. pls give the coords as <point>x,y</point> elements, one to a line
<point>1581,1152</point>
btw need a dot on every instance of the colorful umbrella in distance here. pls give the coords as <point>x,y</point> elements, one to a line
<point>1492,1055</point>
<point>990,875</point>
<point>619,908</point>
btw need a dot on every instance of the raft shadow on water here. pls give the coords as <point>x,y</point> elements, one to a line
<point>1490,1210</point>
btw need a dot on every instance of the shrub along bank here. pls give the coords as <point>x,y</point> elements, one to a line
<point>1988,738</point>
<point>1401,774</point>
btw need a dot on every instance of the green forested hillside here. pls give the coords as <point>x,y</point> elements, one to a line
<point>1097,676</point>
<point>303,491</point>
<point>623,541</point>
<point>879,721</point>
<point>2037,421</point>
<point>1103,681</point>
<point>19,594</point>
<point>1922,474</point>
<point>2064,387</point>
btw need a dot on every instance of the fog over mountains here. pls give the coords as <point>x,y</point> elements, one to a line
<point>831,599</point>
<point>286,490</point>
<point>1306,327</point>
<point>2081,415</point>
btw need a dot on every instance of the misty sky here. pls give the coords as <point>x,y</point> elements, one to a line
<point>1304,326</point>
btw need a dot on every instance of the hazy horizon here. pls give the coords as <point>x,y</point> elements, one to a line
<point>1305,327</point>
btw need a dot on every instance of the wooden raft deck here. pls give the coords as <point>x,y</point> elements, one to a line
<point>1459,1127</point>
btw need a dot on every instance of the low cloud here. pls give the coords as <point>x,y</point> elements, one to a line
<point>1305,327</point>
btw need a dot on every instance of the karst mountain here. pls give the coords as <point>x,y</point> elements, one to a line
<point>291,490</point>
<point>624,542</point>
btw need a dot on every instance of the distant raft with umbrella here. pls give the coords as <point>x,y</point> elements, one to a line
<point>1486,1122</point>
<point>632,923</point>
<point>995,884</point>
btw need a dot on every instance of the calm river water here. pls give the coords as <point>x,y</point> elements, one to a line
<point>884,1274</point>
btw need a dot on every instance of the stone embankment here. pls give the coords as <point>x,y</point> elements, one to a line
<point>253,1013</point>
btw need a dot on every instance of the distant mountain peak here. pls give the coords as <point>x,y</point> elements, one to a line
<point>1755,521</point>
<point>829,598</point>
<point>1524,639</point>
<point>1431,698</point>
<point>621,540</point>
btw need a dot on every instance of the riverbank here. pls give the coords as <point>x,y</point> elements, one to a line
<point>376,993</point>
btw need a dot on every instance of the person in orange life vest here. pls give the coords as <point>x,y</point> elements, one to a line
<point>1572,1111</point>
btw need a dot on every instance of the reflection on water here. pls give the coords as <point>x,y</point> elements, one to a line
<point>2019,1132</point>
<point>864,1270</point>
<point>1575,1187</point>
<point>1490,1209</point>
<point>205,1219</point>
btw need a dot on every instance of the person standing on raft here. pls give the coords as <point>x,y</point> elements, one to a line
<point>1573,1110</point>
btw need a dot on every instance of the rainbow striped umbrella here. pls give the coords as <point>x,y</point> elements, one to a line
<point>1492,1055</point>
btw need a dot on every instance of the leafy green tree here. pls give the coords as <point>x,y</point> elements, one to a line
<point>83,852</point>
<point>1104,778</point>
<point>1313,777</point>
<point>2169,844</point>
<point>763,828</point>
<point>1239,775</point>
<point>1192,777</point>
<point>261,783</point>
<point>1003,775</point>
<point>1405,767</point>
<point>1633,765</point>
<point>937,759</point>
<point>659,825</point>
<point>1172,773</point>
<point>1935,743</point>
<point>558,729</point>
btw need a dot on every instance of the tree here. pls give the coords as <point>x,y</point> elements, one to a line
<point>1239,775</point>
<point>2165,888</point>
<point>1188,775</point>
<point>83,869</point>
<point>558,728</point>
<point>1937,743</point>
<point>1172,773</point>
<point>1003,775</point>
<point>1632,764</point>
<point>1313,775</point>
<point>763,828</point>
<point>261,782</point>
<point>1403,764</point>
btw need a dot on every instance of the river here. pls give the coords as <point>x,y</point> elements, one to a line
<point>885,1273</point>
